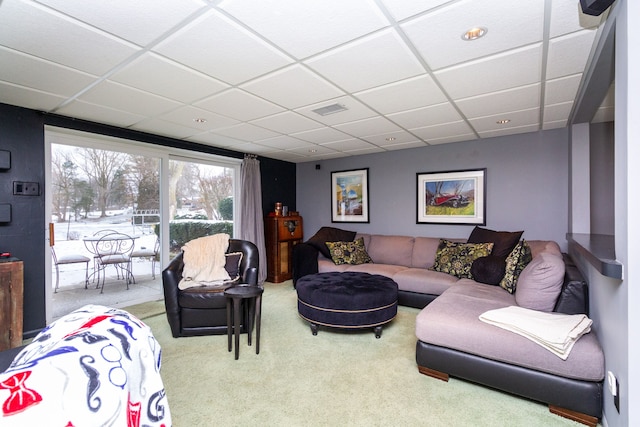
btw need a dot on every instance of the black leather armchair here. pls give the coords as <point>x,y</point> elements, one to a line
<point>202,310</point>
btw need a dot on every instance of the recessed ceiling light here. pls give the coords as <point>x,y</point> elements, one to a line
<point>313,150</point>
<point>200,120</point>
<point>503,121</point>
<point>391,138</point>
<point>474,33</point>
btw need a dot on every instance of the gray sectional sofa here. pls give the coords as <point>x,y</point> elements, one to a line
<point>452,340</point>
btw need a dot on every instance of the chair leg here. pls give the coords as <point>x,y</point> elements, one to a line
<point>86,275</point>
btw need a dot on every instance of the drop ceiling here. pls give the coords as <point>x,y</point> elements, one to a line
<point>247,75</point>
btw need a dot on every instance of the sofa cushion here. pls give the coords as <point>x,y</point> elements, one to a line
<point>348,252</point>
<point>540,282</point>
<point>330,234</point>
<point>503,241</point>
<point>452,321</point>
<point>395,250</point>
<point>423,281</point>
<point>424,251</point>
<point>517,260</point>
<point>456,258</point>
<point>488,269</point>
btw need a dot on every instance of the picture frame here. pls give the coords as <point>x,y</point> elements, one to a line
<point>451,197</point>
<point>350,196</point>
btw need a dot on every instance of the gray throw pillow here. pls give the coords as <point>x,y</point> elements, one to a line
<point>540,282</point>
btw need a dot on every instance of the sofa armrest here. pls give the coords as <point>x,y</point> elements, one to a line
<point>574,296</point>
<point>304,260</point>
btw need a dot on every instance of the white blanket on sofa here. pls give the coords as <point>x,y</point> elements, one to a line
<point>556,332</point>
<point>96,366</point>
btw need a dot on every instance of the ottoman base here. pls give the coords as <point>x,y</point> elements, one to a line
<point>350,300</point>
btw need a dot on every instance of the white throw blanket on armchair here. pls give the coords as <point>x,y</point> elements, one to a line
<point>556,332</point>
<point>204,261</point>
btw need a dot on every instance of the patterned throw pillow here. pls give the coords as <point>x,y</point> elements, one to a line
<point>456,258</point>
<point>517,260</point>
<point>349,252</point>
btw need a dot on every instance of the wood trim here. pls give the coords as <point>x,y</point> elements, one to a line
<point>573,415</point>
<point>433,373</point>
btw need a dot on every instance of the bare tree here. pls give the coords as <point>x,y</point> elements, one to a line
<point>101,166</point>
<point>213,189</point>
<point>64,173</point>
<point>145,176</point>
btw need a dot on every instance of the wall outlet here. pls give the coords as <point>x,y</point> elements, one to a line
<point>614,389</point>
<point>21,188</point>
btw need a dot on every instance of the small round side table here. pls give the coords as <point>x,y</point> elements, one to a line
<point>235,295</point>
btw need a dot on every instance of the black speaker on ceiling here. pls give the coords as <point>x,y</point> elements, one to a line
<point>595,7</point>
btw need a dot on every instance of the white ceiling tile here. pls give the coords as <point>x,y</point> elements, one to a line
<point>428,116</point>
<point>568,54</point>
<point>359,65</point>
<point>28,98</point>
<point>163,127</point>
<point>367,127</point>
<point>125,98</point>
<point>36,73</point>
<point>99,114</point>
<point>293,87</point>
<point>402,9</point>
<point>404,95</point>
<point>567,17</point>
<point>563,89</point>
<point>239,105</point>
<point>516,119</point>
<point>317,150</point>
<point>32,29</point>
<point>450,139</point>
<point>284,142</point>
<point>215,140</point>
<point>520,98</point>
<point>557,112</point>
<point>246,132</point>
<point>287,122</point>
<point>438,35</point>
<point>405,145</point>
<point>306,27</point>
<point>355,110</point>
<point>130,26</point>
<point>186,116</point>
<point>163,77</point>
<point>321,135</point>
<point>554,125</point>
<point>237,55</point>
<point>445,130</point>
<point>348,145</point>
<point>511,69</point>
<point>509,131</point>
<point>391,138</point>
<point>361,151</point>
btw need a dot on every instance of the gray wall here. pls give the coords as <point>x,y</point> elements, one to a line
<point>527,186</point>
<point>601,143</point>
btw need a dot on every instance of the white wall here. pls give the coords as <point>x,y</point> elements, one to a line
<point>527,186</point>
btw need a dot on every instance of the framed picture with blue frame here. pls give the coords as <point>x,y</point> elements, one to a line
<point>451,197</point>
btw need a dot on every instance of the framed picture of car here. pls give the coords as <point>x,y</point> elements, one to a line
<point>350,196</point>
<point>452,197</point>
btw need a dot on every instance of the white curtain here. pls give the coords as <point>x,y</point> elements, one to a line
<point>251,220</point>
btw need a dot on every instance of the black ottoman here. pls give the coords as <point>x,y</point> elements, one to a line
<point>347,300</point>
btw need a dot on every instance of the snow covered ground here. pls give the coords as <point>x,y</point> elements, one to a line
<point>72,294</point>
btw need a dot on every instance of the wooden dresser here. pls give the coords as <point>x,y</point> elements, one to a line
<point>11,299</point>
<point>281,234</point>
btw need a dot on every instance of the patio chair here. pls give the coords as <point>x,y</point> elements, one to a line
<point>114,249</point>
<point>69,259</point>
<point>151,253</point>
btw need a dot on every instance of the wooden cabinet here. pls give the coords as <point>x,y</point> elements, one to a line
<point>281,234</point>
<point>11,289</point>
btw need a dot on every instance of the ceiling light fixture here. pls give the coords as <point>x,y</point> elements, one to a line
<point>391,138</point>
<point>313,150</point>
<point>330,109</point>
<point>200,120</point>
<point>474,33</point>
<point>503,121</point>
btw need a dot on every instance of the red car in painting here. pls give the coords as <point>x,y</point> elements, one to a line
<point>453,200</point>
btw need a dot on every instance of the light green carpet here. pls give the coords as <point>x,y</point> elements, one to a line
<point>332,379</point>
